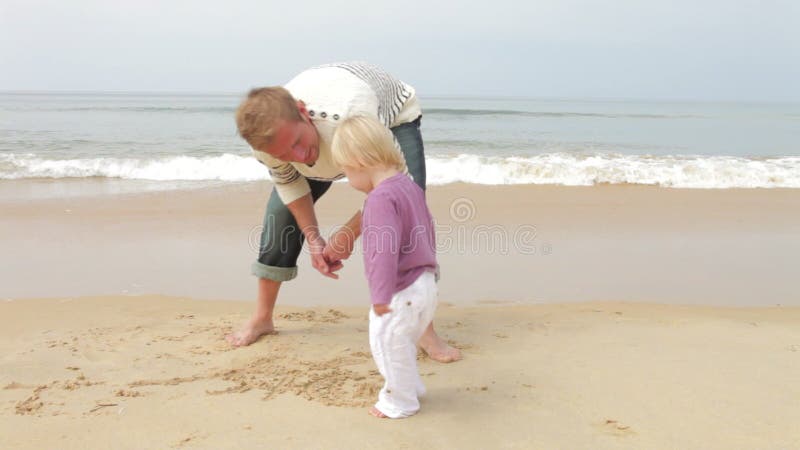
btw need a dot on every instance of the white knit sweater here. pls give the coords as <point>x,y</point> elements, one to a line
<point>332,93</point>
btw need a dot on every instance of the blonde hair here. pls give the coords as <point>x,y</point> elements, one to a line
<point>263,109</point>
<point>362,141</point>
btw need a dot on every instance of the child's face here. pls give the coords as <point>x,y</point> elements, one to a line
<point>359,178</point>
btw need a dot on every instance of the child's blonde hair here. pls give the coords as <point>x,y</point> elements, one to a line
<point>263,109</point>
<point>362,141</point>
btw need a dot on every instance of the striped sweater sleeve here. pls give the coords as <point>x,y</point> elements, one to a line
<point>289,183</point>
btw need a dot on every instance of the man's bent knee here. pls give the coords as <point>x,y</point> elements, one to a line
<point>273,272</point>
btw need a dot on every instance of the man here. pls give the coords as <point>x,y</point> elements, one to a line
<point>290,130</point>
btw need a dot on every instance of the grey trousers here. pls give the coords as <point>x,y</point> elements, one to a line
<point>281,238</point>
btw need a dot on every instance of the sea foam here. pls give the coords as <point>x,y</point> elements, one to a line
<point>554,168</point>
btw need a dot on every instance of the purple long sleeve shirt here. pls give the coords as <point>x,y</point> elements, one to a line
<point>398,237</point>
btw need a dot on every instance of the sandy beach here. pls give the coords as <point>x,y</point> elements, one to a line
<point>154,372</point>
<point>589,317</point>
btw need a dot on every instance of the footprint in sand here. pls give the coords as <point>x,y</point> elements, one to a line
<point>33,404</point>
<point>79,382</point>
<point>192,439</point>
<point>17,385</point>
<point>30,405</point>
<point>616,428</point>
<point>200,350</point>
<point>331,382</point>
<point>475,389</point>
<point>332,316</point>
<point>127,393</point>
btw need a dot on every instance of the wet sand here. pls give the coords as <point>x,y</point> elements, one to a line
<point>532,244</point>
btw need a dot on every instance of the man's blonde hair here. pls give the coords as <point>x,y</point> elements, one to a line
<point>263,109</point>
<point>362,141</point>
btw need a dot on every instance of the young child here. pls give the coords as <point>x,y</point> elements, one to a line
<point>399,258</point>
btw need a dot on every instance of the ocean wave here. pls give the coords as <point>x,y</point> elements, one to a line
<point>554,168</point>
<point>702,172</point>
<point>225,167</point>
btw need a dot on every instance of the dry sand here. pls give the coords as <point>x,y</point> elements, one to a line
<point>154,372</point>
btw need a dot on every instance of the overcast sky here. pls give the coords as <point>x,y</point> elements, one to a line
<point>630,49</point>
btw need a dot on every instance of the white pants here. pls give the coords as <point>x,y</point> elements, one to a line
<point>393,339</point>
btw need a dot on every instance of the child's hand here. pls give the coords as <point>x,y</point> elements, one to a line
<point>316,247</point>
<point>381,309</point>
<point>340,245</point>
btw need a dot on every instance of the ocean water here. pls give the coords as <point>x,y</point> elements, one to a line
<point>172,140</point>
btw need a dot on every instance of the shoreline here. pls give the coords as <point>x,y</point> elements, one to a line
<point>47,188</point>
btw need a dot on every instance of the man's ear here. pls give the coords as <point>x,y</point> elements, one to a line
<point>301,107</point>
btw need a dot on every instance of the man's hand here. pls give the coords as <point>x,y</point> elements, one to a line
<point>303,211</point>
<point>340,246</point>
<point>381,309</point>
<point>318,261</point>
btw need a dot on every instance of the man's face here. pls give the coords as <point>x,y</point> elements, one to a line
<point>295,141</point>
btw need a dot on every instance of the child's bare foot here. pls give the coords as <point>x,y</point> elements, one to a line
<point>437,349</point>
<point>250,332</point>
<point>375,412</point>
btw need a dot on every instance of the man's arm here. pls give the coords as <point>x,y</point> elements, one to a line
<point>303,211</point>
<point>289,182</point>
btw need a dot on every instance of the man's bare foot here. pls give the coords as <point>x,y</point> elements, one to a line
<point>250,332</point>
<point>375,412</point>
<point>439,350</point>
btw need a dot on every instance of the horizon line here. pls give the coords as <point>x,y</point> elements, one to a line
<point>511,97</point>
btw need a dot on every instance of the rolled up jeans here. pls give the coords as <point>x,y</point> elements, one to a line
<point>281,237</point>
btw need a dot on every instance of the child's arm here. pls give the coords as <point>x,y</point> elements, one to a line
<point>340,245</point>
<point>381,240</point>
